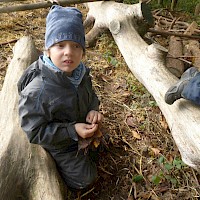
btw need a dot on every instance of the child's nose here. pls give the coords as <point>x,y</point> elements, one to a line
<point>67,50</point>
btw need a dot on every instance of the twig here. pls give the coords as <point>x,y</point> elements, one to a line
<point>3,67</point>
<point>130,191</point>
<point>197,182</point>
<point>134,150</point>
<point>166,33</point>
<point>105,171</point>
<point>180,58</point>
<point>8,42</point>
<point>173,22</point>
<point>86,193</point>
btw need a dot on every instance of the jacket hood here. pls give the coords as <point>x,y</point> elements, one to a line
<point>29,74</point>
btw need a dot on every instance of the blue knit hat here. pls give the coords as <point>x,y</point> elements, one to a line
<point>64,23</point>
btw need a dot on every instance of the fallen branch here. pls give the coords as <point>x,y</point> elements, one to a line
<point>46,4</point>
<point>167,33</point>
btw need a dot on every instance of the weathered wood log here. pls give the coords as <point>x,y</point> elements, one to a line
<point>24,167</point>
<point>139,24</point>
<point>147,64</point>
<point>175,51</point>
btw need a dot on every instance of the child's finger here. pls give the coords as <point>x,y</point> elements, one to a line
<point>94,119</point>
<point>90,132</point>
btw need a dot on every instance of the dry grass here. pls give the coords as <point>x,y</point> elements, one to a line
<point>141,145</point>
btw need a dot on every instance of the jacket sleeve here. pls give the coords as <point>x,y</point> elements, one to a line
<point>95,102</point>
<point>37,123</point>
<point>94,105</point>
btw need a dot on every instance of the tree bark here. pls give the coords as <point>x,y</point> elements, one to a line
<point>24,168</point>
<point>147,64</point>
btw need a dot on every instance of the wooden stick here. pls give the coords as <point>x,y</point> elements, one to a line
<point>166,33</point>
<point>11,41</point>
<point>47,4</point>
<point>6,1</point>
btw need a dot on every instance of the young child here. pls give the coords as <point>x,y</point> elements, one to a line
<point>57,104</point>
<point>188,87</point>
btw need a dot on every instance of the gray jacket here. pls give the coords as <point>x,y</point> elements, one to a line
<point>50,105</point>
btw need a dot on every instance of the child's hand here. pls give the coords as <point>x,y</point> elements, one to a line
<point>94,117</point>
<point>86,130</point>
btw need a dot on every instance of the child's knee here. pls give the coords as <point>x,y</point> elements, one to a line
<point>82,180</point>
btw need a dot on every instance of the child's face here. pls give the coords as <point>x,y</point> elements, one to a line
<point>66,55</point>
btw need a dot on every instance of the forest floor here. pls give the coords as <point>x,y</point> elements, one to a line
<point>142,161</point>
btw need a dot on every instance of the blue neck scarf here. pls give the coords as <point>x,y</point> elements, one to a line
<point>77,74</point>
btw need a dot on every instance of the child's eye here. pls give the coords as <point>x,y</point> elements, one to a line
<point>59,45</point>
<point>77,46</point>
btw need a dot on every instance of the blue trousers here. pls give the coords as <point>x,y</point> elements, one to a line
<point>192,90</point>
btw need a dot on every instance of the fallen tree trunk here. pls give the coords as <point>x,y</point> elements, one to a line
<point>147,64</point>
<point>24,167</point>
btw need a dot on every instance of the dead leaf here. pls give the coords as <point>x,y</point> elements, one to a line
<point>94,140</point>
<point>131,121</point>
<point>170,158</point>
<point>83,143</point>
<point>126,94</point>
<point>96,143</point>
<point>144,195</point>
<point>163,122</point>
<point>97,134</point>
<point>136,135</point>
<point>156,151</point>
